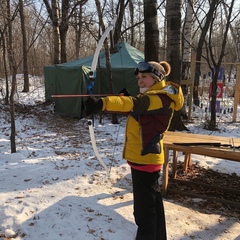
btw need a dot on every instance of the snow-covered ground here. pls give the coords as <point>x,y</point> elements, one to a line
<point>54,187</point>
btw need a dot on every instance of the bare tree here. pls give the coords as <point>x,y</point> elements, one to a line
<point>187,53</point>
<point>78,25</point>
<point>204,31</point>
<point>63,28</point>
<point>4,57</point>
<point>24,47</point>
<point>53,12</point>
<point>60,21</point>
<point>121,6</point>
<point>217,63</point>
<point>173,14</point>
<point>131,11</point>
<point>151,31</point>
<point>13,70</point>
<point>107,54</point>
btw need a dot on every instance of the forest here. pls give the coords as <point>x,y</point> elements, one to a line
<point>49,32</point>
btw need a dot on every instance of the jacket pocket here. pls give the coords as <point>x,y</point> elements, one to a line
<point>153,146</point>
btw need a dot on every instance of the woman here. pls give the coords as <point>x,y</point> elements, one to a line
<point>150,114</point>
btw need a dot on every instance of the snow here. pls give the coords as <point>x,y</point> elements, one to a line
<point>54,187</point>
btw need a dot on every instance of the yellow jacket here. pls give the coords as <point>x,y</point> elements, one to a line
<point>150,116</point>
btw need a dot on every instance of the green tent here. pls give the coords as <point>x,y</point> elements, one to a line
<point>72,78</point>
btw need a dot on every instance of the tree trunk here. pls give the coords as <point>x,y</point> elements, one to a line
<point>186,65</point>
<point>78,29</point>
<point>131,12</point>
<point>217,66</point>
<point>117,31</point>
<point>152,44</point>
<point>63,29</point>
<point>56,32</point>
<point>24,46</point>
<point>173,13</point>
<point>6,97</point>
<point>205,28</point>
<point>107,54</point>
<point>13,70</point>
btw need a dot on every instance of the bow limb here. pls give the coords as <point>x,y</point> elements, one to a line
<point>93,140</point>
<point>92,75</point>
<point>99,45</point>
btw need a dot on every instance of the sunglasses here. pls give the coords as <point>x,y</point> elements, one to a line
<point>145,67</point>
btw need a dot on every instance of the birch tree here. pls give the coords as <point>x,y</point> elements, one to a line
<point>187,52</point>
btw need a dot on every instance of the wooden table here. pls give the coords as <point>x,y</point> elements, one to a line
<point>171,142</point>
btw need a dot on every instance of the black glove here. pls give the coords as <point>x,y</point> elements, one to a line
<point>93,105</point>
<point>124,92</point>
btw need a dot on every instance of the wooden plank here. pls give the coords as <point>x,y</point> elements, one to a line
<point>174,165</point>
<point>218,152</point>
<point>171,137</point>
<point>227,154</point>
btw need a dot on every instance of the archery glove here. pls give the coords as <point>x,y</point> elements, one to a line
<point>93,105</point>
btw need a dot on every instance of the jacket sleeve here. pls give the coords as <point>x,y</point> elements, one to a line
<point>141,104</point>
<point>118,104</point>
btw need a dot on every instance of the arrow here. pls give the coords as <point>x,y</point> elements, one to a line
<point>82,95</point>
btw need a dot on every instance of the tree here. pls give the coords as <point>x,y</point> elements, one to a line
<point>24,47</point>
<point>54,15</point>
<point>120,10</point>
<point>217,63</point>
<point>204,31</point>
<point>186,57</point>
<point>4,57</point>
<point>60,21</point>
<point>173,15</point>
<point>107,54</point>
<point>13,70</point>
<point>151,31</point>
<point>78,26</point>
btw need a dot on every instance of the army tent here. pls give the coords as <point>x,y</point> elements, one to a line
<point>72,78</point>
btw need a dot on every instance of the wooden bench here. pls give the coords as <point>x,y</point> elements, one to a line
<point>172,141</point>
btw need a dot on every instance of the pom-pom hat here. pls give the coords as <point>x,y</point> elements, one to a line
<point>157,70</point>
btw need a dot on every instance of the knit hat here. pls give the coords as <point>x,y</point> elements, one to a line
<point>162,69</point>
<point>155,69</point>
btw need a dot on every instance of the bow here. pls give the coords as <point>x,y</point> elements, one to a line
<point>92,76</point>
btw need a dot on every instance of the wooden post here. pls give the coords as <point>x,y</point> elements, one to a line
<point>236,94</point>
<point>191,89</point>
<point>165,172</point>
